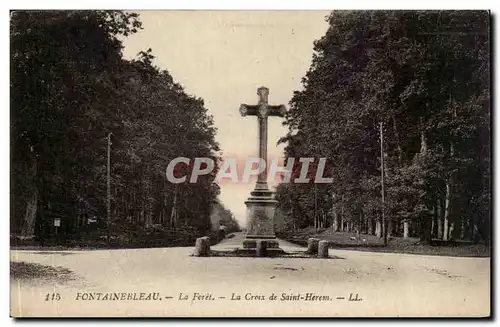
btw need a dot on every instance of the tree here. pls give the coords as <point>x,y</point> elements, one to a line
<point>71,87</point>
<point>424,75</point>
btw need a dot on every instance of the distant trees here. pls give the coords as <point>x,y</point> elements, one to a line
<point>70,88</point>
<point>425,76</point>
<point>223,216</point>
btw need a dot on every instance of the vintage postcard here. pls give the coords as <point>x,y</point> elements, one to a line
<point>250,163</point>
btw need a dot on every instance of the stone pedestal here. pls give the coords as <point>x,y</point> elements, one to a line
<point>261,207</point>
<point>261,204</point>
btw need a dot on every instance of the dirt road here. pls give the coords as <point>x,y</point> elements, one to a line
<point>177,284</point>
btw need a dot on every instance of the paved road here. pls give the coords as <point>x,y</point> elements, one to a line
<point>389,284</point>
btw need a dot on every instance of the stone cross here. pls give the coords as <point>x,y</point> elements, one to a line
<point>262,110</point>
<point>261,205</point>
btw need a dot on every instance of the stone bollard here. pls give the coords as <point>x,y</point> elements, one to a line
<point>202,247</point>
<point>323,249</point>
<point>261,249</point>
<point>312,245</point>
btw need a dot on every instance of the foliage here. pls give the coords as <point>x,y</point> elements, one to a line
<point>71,89</point>
<point>425,76</point>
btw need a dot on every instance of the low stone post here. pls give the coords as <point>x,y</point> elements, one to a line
<point>261,249</point>
<point>323,249</point>
<point>202,247</point>
<point>312,245</point>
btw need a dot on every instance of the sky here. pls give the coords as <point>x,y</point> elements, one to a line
<point>223,57</point>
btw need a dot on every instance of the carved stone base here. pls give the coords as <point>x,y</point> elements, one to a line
<point>270,252</point>
<point>252,243</point>
<point>261,207</point>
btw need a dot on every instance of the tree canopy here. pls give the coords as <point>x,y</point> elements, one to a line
<point>423,75</point>
<point>71,90</point>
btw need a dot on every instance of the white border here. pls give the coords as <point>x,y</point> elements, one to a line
<point>254,5</point>
<point>190,5</point>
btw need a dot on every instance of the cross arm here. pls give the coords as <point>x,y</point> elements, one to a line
<point>249,110</point>
<point>278,111</point>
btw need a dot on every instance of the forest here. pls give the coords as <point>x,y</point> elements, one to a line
<point>80,112</point>
<point>398,102</point>
<point>410,89</point>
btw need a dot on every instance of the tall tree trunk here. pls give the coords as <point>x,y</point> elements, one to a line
<point>173,214</point>
<point>452,231</point>
<point>439,219</point>
<point>361,223</point>
<point>427,218</point>
<point>433,223</point>
<point>462,228</point>
<point>423,142</point>
<point>378,227</point>
<point>370,226</point>
<point>398,144</point>
<point>28,227</point>
<point>446,229</point>
<point>149,212</point>
<point>447,212</point>
<point>390,226</point>
<point>164,205</point>
<point>30,214</point>
<point>149,205</point>
<point>425,228</point>
<point>335,221</point>
<point>316,218</point>
<point>341,224</point>
<point>406,228</point>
